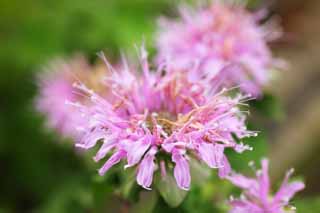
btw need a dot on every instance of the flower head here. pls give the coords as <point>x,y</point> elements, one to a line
<point>226,41</point>
<point>152,117</point>
<point>257,194</point>
<point>55,85</point>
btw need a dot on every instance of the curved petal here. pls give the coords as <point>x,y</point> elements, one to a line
<point>225,169</point>
<point>136,149</point>
<point>241,181</point>
<point>287,190</point>
<point>181,171</point>
<point>264,182</point>
<point>212,154</point>
<point>104,149</point>
<point>146,169</point>
<point>114,159</point>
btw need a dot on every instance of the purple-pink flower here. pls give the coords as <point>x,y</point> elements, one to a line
<point>257,195</point>
<point>225,40</point>
<point>56,90</point>
<point>152,115</point>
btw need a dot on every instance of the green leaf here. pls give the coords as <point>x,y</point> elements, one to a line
<point>270,106</point>
<point>311,204</point>
<point>147,202</point>
<point>200,173</point>
<point>69,197</point>
<point>102,190</point>
<point>129,181</point>
<point>170,191</point>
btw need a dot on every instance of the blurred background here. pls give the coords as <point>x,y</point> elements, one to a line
<point>41,173</point>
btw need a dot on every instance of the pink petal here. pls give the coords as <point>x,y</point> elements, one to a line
<point>136,149</point>
<point>163,169</point>
<point>242,181</point>
<point>104,149</point>
<point>146,169</point>
<point>212,154</point>
<point>264,182</point>
<point>114,159</point>
<point>181,171</point>
<point>225,169</point>
<point>90,139</point>
<point>287,190</point>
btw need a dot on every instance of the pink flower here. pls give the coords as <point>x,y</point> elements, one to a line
<point>225,40</point>
<point>56,89</point>
<point>257,197</point>
<point>155,114</point>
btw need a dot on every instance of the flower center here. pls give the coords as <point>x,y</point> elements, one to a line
<point>163,119</point>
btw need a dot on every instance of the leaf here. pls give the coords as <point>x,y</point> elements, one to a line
<point>200,173</point>
<point>311,204</point>
<point>270,106</point>
<point>129,181</point>
<point>146,203</point>
<point>102,189</point>
<point>170,191</point>
<point>69,197</point>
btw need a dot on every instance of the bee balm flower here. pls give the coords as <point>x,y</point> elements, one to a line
<point>227,42</point>
<point>160,120</point>
<point>257,197</point>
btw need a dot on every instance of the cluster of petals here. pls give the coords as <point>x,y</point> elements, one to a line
<point>226,40</point>
<point>55,86</point>
<point>257,194</point>
<point>152,114</point>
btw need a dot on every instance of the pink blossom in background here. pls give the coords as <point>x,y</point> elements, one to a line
<point>56,90</point>
<point>257,195</point>
<point>152,114</point>
<point>225,40</point>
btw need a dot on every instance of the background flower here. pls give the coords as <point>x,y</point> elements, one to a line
<point>257,192</point>
<point>56,92</point>
<point>226,40</point>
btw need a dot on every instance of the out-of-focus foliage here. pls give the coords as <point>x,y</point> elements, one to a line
<point>260,148</point>
<point>270,106</point>
<point>308,204</point>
